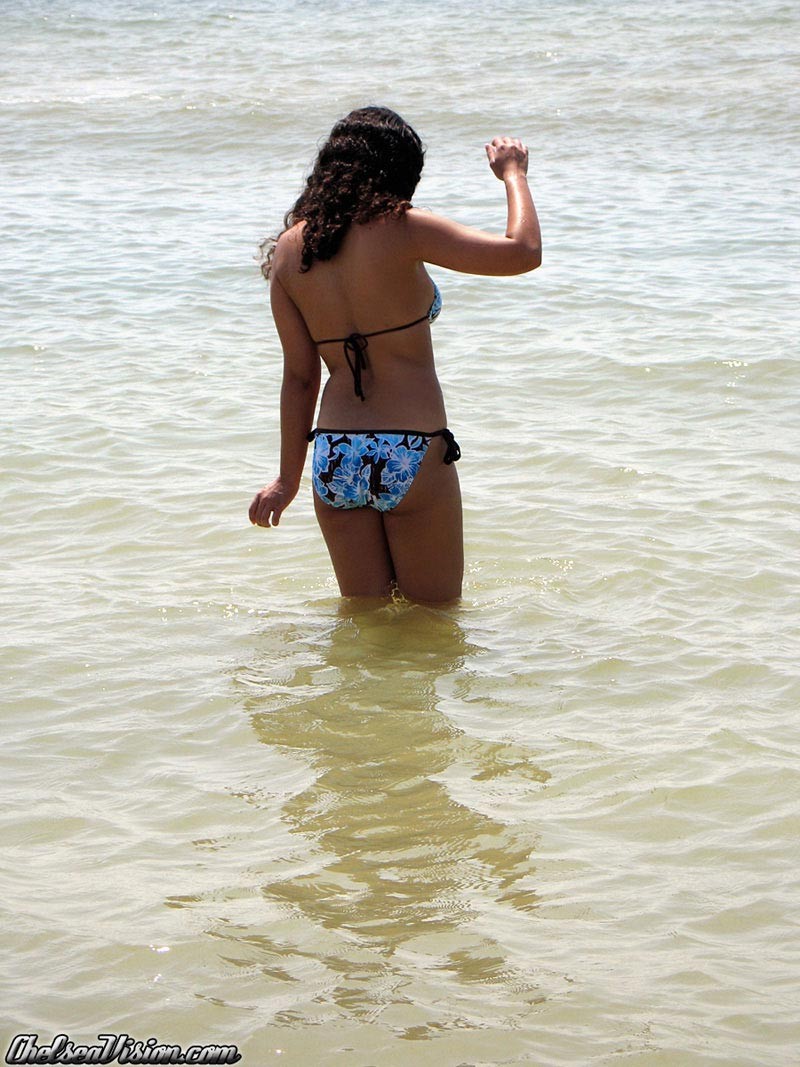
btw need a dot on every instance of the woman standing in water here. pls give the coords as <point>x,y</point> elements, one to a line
<point>348,284</point>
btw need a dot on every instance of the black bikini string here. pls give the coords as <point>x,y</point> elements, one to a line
<point>355,345</point>
<point>452,452</point>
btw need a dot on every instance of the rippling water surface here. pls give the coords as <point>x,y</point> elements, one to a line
<point>556,824</point>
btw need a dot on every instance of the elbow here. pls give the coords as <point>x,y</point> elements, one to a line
<point>302,372</point>
<point>301,386</point>
<point>306,382</point>
<point>531,258</point>
<point>523,259</point>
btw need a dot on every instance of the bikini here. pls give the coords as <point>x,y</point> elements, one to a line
<point>372,468</point>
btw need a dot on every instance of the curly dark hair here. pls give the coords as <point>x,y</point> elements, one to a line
<point>369,166</point>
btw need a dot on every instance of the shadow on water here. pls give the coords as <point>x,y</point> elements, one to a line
<point>403,875</point>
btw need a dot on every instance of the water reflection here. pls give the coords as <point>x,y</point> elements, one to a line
<point>393,862</point>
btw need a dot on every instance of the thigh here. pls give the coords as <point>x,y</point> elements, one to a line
<point>358,549</point>
<point>424,532</point>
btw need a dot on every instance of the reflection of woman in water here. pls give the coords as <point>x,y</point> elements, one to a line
<point>348,283</point>
<point>392,841</point>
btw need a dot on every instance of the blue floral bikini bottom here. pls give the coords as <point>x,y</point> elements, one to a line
<point>371,468</point>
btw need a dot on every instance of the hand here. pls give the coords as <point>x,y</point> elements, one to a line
<point>507,156</point>
<point>270,502</point>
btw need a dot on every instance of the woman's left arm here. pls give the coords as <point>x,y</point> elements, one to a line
<point>299,391</point>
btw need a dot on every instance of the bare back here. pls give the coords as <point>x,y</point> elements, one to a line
<point>373,283</point>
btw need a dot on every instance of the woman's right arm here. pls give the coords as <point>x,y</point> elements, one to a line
<point>299,390</point>
<point>445,243</point>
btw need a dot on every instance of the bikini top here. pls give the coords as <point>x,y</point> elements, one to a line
<point>355,344</point>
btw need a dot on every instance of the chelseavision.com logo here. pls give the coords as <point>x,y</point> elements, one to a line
<point>114,1048</point>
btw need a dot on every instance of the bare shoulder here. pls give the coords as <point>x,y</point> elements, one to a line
<point>288,252</point>
<point>420,221</point>
<point>428,233</point>
<point>387,232</point>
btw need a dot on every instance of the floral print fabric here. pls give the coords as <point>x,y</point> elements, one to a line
<point>366,468</point>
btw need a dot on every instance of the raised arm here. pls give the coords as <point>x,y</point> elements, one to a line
<point>449,244</point>
<point>301,377</point>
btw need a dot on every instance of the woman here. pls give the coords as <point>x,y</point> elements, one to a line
<point>348,284</point>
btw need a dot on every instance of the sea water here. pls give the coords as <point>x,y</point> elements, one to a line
<point>556,824</point>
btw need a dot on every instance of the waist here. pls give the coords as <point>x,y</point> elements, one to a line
<point>388,404</point>
<point>389,431</point>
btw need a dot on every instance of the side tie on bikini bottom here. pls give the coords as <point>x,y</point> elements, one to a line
<point>453,452</point>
